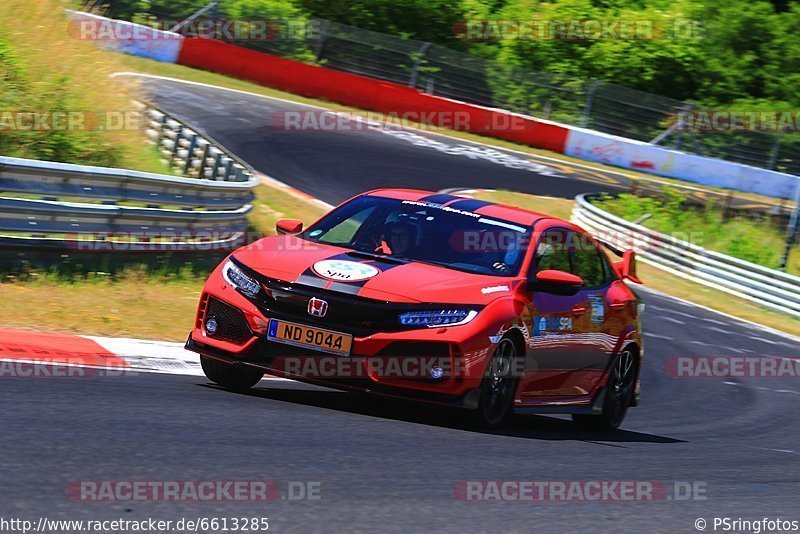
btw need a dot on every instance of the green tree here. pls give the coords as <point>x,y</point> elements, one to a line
<point>425,20</point>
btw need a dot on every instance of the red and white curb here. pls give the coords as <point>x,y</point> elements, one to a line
<point>154,356</point>
<point>112,353</point>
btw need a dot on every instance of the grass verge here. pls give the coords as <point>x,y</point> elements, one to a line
<point>64,82</point>
<point>760,241</point>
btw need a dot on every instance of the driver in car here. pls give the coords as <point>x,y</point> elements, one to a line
<point>398,238</point>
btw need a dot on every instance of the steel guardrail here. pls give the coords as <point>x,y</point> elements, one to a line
<point>207,201</point>
<point>768,287</point>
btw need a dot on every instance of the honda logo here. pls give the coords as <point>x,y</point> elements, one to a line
<point>317,307</point>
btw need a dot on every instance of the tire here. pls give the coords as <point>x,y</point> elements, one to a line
<point>498,386</point>
<point>619,394</point>
<point>230,376</point>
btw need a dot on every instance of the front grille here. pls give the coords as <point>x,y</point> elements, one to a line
<point>346,313</point>
<point>231,323</point>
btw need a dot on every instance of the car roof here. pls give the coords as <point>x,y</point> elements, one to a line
<point>465,203</point>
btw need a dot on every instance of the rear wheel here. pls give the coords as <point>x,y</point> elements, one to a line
<point>230,376</point>
<point>498,386</point>
<point>619,394</point>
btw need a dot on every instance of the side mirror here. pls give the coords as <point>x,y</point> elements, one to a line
<point>626,268</point>
<point>557,282</point>
<point>289,226</point>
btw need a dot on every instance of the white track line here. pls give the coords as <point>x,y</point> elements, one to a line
<point>744,322</point>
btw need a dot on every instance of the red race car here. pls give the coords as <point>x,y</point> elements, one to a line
<point>432,297</point>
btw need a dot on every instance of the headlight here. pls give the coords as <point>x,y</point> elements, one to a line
<point>434,318</point>
<point>235,277</point>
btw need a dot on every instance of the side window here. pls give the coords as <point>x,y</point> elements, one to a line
<point>588,262</point>
<point>552,252</point>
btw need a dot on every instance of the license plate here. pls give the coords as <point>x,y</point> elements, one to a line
<point>309,337</point>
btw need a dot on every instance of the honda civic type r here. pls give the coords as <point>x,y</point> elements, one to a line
<point>431,297</point>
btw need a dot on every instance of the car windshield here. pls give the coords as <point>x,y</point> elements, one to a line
<point>426,232</point>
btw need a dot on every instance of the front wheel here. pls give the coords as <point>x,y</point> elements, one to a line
<point>230,376</point>
<point>619,394</point>
<point>498,386</point>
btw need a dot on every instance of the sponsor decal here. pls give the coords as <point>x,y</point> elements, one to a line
<point>598,309</point>
<point>543,326</point>
<point>494,289</point>
<point>440,207</point>
<point>345,271</point>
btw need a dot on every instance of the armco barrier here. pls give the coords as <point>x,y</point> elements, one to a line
<point>768,287</point>
<point>59,180</point>
<point>204,210</point>
<point>366,93</point>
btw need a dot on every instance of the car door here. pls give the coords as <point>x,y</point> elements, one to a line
<point>553,341</point>
<point>598,309</point>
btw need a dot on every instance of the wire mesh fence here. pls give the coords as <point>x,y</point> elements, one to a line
<point>595,104</point>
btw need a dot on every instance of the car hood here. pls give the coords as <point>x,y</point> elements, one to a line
<point>295,260</point>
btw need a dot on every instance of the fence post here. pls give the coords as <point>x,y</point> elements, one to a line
<point>792,230</point>
<point>688,107</point>
<point>429,85</point>
<point>587,109</point>
<point>412,82</point>
<point>324,27</point>
<point>773,153</point>
<point>190,157</point>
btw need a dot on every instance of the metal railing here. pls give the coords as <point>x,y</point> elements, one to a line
<point>767,287</point>
<point>66,206</point>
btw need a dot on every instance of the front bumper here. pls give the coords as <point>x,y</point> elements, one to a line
<point>251,359</point>
<point>242,324</point>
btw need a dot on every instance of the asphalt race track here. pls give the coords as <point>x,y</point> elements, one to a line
<point>389,466</point>
<point>335,165</point>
